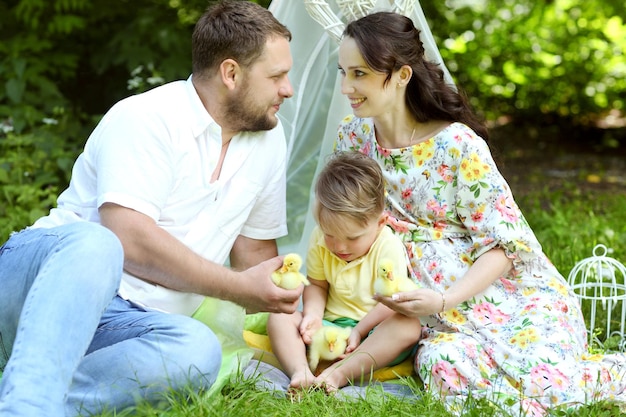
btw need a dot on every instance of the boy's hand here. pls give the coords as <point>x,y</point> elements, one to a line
<point>308,327</point>
<point>353,341</point>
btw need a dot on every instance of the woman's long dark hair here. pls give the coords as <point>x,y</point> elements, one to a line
<point>387,41</point>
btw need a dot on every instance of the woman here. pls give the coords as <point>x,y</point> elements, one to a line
<point>501,320</point>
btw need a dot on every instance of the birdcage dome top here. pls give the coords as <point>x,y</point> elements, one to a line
<point>599,271</point>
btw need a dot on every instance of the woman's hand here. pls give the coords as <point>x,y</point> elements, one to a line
<point>416,303</point>
<point>423,302</point>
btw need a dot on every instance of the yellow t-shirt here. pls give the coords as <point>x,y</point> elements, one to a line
<point>351,284</point>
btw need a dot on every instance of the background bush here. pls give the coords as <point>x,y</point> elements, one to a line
<point>526,59</point>
<point>35,166</point>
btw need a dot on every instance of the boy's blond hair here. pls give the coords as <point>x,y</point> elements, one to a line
<point>351,186</point>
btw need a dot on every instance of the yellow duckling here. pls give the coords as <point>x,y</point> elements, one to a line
<point>289,275</point>
<point>329,342</point>
<point>387,283</point>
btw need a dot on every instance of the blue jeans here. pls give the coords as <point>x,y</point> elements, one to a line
<point>69,345</point>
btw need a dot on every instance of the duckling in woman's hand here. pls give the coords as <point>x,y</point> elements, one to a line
<point>329,342</point>
<point>289,275</point>
<point>387,283</point>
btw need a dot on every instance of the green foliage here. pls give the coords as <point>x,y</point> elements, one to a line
<point>78,54</point>
<point>518,59</point>
<point>54,53</point>
<point>526,59</point>
<point>62,59</point>
<point>34,168</point>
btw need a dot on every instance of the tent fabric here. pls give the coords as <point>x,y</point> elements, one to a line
<point>311,117</point>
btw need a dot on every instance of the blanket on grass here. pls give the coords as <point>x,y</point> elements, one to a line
<point>255,336</point>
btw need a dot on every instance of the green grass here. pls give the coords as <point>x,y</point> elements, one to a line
<point>568,223</point>
<point>240,398</point>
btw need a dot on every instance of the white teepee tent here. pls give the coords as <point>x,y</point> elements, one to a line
<point>312,115</point>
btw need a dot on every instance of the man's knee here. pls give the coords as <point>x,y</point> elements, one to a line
<point>94,239</point>
<point>201,350</point>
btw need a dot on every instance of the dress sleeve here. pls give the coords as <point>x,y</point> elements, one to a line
<point>486,206</point>
<point>354,134</point>
<point>343,132</point>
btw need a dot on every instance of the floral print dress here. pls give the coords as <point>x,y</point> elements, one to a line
<point>524,337</point>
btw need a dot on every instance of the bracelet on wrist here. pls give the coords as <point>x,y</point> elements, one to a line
<point>443,302</point>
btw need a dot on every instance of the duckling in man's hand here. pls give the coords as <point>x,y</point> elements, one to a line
<point>289,275</point>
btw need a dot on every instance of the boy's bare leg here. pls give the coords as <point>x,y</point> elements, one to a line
<point>289,348</point>
<point>390,338</point>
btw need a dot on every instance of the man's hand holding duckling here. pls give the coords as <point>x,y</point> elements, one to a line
<point>256,291</point>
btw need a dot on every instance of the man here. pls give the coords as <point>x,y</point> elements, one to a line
<point>185,176</point>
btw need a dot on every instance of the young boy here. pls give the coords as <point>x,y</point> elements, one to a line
<point>344,251</point>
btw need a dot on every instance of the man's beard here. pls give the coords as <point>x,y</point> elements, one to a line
<point>245,115</point>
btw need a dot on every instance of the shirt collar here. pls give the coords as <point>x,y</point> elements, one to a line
<point>200,119</point>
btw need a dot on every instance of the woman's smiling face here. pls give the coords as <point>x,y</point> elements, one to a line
<point>366,89</point>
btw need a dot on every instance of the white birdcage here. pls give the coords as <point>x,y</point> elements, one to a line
<point>600,284</point>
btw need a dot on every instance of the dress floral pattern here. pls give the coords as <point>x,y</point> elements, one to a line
<point>523,338</point>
